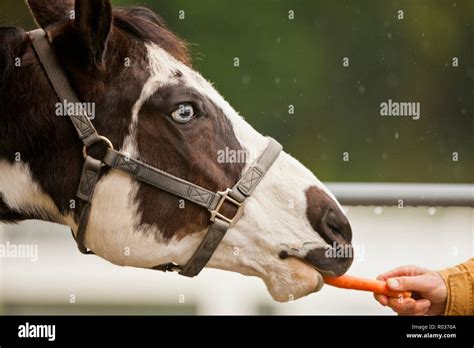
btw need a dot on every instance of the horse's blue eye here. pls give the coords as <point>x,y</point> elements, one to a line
<point>184,113</point>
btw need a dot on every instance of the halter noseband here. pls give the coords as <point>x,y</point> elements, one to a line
<point>92,167</point>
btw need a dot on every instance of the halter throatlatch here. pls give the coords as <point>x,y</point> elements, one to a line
<point>212,201</point>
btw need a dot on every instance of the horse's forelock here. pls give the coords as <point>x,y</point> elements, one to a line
<point>145,25</point>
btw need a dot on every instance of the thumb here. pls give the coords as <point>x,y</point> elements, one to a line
<point>416,283</point>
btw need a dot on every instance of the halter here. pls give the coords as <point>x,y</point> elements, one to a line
<point>212,201</point>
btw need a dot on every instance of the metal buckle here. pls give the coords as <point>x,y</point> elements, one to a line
<point>100,138</point>
<point>226,197</point>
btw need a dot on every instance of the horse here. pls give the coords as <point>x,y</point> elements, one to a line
<point>153,106</point>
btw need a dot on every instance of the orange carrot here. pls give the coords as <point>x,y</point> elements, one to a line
<point>356,283</point>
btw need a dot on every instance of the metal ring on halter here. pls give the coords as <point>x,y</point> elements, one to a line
<point>101,138</point>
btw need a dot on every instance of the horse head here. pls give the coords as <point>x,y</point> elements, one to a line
<point>153,106</point>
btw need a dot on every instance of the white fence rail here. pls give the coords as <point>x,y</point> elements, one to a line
<point>412,194</point>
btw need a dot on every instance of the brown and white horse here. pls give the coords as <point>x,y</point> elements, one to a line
<point>139,76</point>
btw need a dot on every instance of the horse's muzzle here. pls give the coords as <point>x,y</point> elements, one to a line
<point>332,260</point>
<point>329,260</point>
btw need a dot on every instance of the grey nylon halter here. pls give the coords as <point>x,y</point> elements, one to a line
<point>92,168</point>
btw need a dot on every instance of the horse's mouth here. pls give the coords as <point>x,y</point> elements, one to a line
<point>326,260</point>
<point>305,276</point>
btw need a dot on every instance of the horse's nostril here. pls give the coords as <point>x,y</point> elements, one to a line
<point>331,221</point>
<point>335,227</point>
<point>326,217</point>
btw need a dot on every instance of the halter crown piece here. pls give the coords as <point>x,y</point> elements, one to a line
<point>92,168</point>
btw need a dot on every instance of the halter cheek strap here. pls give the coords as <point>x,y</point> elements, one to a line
<point>91,171</point>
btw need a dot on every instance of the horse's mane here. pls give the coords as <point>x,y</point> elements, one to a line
<point>5,68</point>
<point>145,25</point>
<point>6,61</point>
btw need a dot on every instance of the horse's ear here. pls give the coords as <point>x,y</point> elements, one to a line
<point>47,12</point>
<point>93,23</point>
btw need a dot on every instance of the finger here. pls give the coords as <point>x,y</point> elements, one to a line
<point>423,311</point>
<point>421,308</point>
<point>409,306</point>
<point>382,299</point>
<point>416,283</point>
<point>402,271</point>
<point>401,305</point>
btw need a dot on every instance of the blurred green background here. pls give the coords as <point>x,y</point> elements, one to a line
<point>337,109</point>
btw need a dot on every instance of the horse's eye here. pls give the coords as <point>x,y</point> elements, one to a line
<point>185,113</point>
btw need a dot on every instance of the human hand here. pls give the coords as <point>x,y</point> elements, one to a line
<point>428,289</point>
